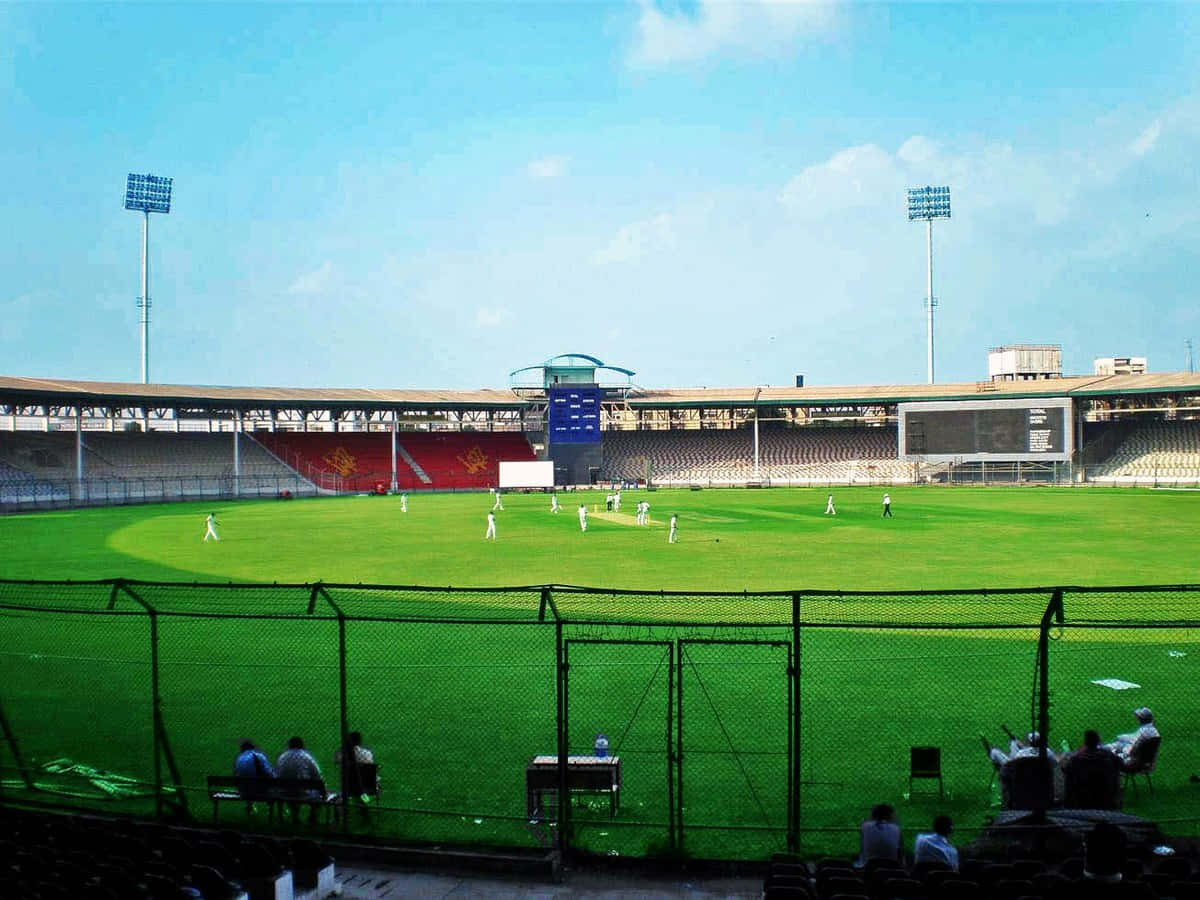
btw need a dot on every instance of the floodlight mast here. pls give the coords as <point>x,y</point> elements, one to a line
<point>147,194</point>
<point>926,204</point>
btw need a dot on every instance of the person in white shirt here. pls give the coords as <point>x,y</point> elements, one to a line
<point>617,501</point>
<point>582,517</point>
<point>887,506</point>
<point>554,503</point>
<point>935,846</point>
<point>1126,745</point>
<point>491,529</point>
<point>210,527</point>
<point>404,503</point>
<point>497,505</point>
<point>829,510</point>
<point>673,535</point>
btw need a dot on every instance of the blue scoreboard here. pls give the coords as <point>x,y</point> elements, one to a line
<point>574,415</point>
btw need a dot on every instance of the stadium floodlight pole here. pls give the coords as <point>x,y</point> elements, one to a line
<point>926,204</point>
<point>147,194</point>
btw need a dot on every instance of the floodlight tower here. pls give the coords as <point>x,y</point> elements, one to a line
<point>147,193</point>
<point>926,204</point>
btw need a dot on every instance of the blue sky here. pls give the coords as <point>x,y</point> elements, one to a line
<point>433,194</point>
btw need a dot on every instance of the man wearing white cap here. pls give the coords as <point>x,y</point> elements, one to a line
<point>1127,746</point>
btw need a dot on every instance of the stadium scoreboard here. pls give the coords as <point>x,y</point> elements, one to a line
<point>574,415</point>
<point>1024,430</point>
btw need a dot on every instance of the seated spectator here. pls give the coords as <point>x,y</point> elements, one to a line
<point>935,846</point>
<point>1017,748</point>
<point>297,764</point>
<point>1126,745</point>
<point>1104,853</point>
<point>354,785</point>
<point>1092,776</point>
<point>252,763</point>
<point>879,837</point>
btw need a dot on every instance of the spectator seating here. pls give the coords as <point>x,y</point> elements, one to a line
<point>1019,877</point>
<point>358,461</point>
<point>809,454</point>
<point>47,855</point>
<point>1158,451</point>
<point>136,465</point>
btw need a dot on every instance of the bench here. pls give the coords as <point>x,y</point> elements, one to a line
<point>585,774</point>
<point>273,792</point>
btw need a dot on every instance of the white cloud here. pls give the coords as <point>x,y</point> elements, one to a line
<point>489,318</point>
<point>855,177</point>
<point>1147,139</point>
<point>753,28</point>
<point>548,167</point>
<point>314,282</point>
<point>637,239</point>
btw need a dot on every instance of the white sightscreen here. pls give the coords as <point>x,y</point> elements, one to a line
<point>526,474</point>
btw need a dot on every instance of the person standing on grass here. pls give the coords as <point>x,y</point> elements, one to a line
<point>887,506</point>
<point>497,505</point>
<point>491,529</point>
<point>583,517</point>
<point>554,503</point>
<point>673,535</point>
<point>404,503</point>
<point>210,527</point>
<point>829,510</point>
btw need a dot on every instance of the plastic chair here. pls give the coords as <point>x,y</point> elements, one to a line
<point>925,762</point>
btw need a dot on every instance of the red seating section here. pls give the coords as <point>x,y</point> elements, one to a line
<point>356,462</point>
<point>465,459</point>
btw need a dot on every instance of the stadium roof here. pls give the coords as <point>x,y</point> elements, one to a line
<point>1074,386</point>
<point>42,390</point>
<point>18,390</point>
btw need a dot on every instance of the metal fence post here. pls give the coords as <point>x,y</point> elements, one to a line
<point>794,711</point>
<point>561,716</point>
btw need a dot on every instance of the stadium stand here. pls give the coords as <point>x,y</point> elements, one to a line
<point>133,466</point>
<point>789,455</point>
<point>57,856</point>
<point>1156,452</point>
<point>438,460</point>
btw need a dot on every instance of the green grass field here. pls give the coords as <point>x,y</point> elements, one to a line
<point>455,711</point>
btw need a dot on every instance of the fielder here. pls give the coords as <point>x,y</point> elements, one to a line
<point>210,527</point>
<point>554,503</point>
<point>404,503</point>
<point>497,505</point>
<point>887,506</point>
<point>829,510</point>
<point>583,517</point>
<point>491,531</point>
<point>673,535</point>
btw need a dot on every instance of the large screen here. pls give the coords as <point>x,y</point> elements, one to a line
<point>1022,430</point>
<point>574,415</point>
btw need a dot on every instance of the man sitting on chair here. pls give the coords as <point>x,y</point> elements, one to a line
<point>1127,746</point>
<point>1017,749</point>
<point>1092,776</point>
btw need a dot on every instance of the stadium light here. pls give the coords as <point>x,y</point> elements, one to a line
<point>147,194</point>
<point>924,205</point>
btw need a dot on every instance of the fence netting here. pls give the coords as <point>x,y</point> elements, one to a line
<point>715,725</point>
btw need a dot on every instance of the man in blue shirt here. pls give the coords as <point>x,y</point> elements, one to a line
<point>252,763</point>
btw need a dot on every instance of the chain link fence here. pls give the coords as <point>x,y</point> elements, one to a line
<point>737,725</point>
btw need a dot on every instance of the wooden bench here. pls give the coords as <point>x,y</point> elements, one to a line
<point>585,774</point>
<point>272,791</point>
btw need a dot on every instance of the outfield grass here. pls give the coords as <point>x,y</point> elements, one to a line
<point>454,712</point>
